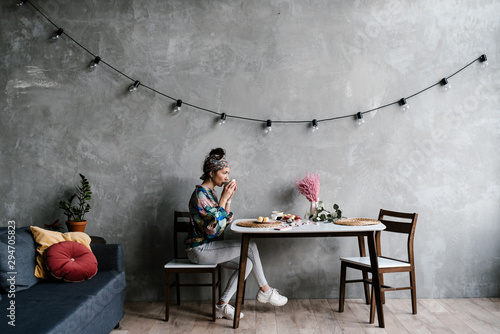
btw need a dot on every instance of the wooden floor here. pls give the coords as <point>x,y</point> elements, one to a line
<point>476,315</point>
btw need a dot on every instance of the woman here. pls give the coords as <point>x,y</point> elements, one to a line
<point>205,241</point>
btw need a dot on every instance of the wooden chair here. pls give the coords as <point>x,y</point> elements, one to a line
<point>396,222</point>
<point>182,265</point>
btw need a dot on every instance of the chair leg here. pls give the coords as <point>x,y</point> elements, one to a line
<point>366,287</point>
<point>244,289</point>
<point>382,293</point>
<point>343,270</point>
<point>214,288</point>
<point>178,289</point>
<point>167,295</point>
<point>413,292</point>
<point>362,253</point>
<point>220,282</point>
<point>372,306</point>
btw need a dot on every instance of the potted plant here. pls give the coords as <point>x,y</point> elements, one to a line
<point>76,213</point>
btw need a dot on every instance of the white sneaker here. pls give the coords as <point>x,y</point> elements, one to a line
<point>274,298</point>
<point>226,311</point>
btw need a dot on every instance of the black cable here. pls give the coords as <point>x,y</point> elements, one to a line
<point>246,118</point>
<point>38,10</point>
<point>335,118</point>
<point>463,68</point>
<point>163,94</point>
<point>290,122</point>
<point>423,90</point>
<point>71,38</point>
<point>243,117</point>
<point>201,108</point>
<point>102,61</point>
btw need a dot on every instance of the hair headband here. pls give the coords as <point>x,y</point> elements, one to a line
<point>214,163</point>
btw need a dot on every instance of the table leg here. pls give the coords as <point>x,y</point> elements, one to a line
<point>375,278</point>
<point>167,295</point>
<point>362,253</point>
<point>245,240</point>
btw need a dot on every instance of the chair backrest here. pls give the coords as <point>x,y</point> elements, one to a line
<point>398,222</point>
<point>181,220</point>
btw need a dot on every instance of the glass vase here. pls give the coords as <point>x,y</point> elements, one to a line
<point>311,211</point>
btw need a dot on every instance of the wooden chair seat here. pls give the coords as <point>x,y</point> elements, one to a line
<point>383,263</point>
<point>186,263</point>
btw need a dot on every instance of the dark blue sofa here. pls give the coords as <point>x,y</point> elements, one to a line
<point>43,306</point>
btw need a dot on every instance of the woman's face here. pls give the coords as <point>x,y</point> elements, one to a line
<point>221,176</point>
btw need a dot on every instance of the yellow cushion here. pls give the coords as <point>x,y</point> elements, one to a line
<point>45,238</point>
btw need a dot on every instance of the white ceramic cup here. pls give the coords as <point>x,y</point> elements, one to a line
<point>276,214</point>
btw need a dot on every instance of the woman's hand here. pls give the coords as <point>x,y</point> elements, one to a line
<point>228,192</point>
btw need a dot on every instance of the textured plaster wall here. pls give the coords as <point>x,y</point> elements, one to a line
<point>286,60</point>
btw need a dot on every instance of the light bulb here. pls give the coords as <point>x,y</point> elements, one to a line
<point>55,36</point>
<point>134,87</point>
<point>93,63</point>
<point>445,84</point>
<point>269,127</point>
<point>222,119</point>
<point>21,3</point>
<point>484,61</point>
<point>404,104</point>
<point>359,117</point>
<point>177,107</point>
<point>314,124</point>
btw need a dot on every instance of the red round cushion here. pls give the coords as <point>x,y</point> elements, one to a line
<point>71,261</point>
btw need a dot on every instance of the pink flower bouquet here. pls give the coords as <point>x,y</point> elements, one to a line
<point>309,186</point>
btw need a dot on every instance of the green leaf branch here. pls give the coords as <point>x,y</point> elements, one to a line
<point>322,214</point>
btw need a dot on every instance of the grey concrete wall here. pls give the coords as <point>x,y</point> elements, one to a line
<point>264,59</point>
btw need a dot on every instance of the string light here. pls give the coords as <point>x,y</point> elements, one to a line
<point>404,104</point>
<point>314,124</point>
<point>269,126</point>
<point>359,116</point>
<point>93,63</point>
<point>55,36</point>
<point>134,86</point>
<point>446,85</point>
<point>222,119</point>
<point>177,107</point>
<point>484,60</point>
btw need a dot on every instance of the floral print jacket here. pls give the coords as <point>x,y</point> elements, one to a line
<point>208,219</point>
